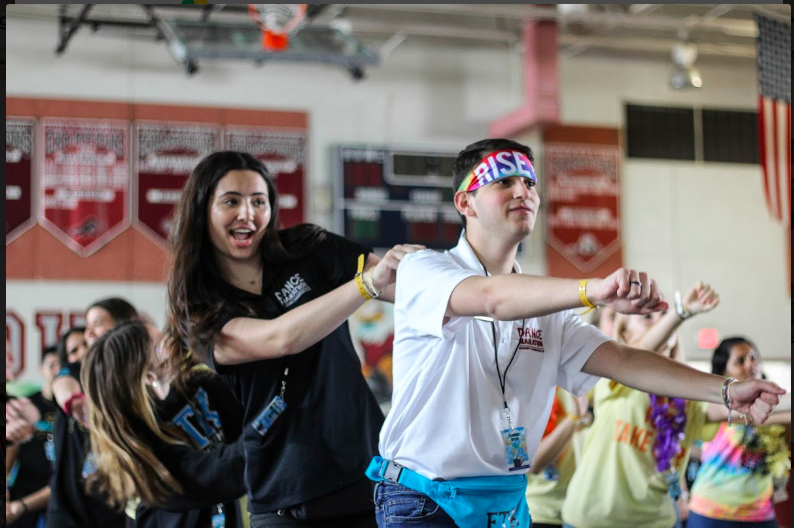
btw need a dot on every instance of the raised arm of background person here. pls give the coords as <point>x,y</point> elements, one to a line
<point>518,296</point>
<point>781,414</point>
<point>699,299</point>
<point>555,442</point>
<point>650,372</point>
<point>245,339</point>
<point>63,387</point>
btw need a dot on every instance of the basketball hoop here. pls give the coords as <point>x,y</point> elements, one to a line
<point>277,22</point>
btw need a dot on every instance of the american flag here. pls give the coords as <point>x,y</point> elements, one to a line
<point>774,114</point>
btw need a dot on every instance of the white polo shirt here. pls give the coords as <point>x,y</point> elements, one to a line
<point>445,416</point>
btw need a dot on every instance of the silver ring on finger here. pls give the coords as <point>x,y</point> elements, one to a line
<point>638,283</point>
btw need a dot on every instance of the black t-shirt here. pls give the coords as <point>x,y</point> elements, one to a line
<point>211,472</point>
<point>33,468</point>
<point>328,433</point>
<point>70,505</point>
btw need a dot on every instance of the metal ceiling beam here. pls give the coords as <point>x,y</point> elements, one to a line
<point>175,46</point>
<point>641,21</point>
<point>653,45</point>
<point>69,26</point>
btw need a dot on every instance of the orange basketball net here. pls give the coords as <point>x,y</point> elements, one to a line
<point>277,22</point>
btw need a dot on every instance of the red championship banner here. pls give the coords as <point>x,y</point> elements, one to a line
<point>284,154</point>
<point>85,179</point>
<point>19,177</point>
<point>166,153</point>
<point>583,206</point>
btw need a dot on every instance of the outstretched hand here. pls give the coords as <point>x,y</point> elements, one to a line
<point>700,298</point>
<point>755,398</point>
<point>627,291</point>
<point>384,272</point>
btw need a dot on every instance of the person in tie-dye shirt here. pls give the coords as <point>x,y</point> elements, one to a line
<point>734,485</point>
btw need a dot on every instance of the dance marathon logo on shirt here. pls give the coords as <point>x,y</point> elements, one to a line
<point>639,437</point>
<point>203,425</point>
<point>292,290</point>
<point>530,339</point>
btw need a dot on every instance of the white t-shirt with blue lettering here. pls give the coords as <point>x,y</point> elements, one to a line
<point>445,420</point>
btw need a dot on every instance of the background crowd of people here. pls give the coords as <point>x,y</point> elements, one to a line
<point>254,394</point>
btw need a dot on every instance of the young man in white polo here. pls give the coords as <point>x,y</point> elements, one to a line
<point>480,347</point>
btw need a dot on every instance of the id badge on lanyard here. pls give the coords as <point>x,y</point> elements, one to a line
<point>515,441</point>
<point>277,405</point>
<point>219,518</point>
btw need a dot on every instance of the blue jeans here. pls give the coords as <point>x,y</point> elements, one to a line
<point>397,507</point>
<point>699,521</point>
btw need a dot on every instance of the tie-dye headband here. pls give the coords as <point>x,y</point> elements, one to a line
<point>498,165</point>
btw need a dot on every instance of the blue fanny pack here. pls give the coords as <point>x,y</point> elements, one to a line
<point>472,502</point>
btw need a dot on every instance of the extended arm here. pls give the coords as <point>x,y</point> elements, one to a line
<point>649,372</point>
<point>246,339</point>
<point>781,414</point>
<point>518,296</point>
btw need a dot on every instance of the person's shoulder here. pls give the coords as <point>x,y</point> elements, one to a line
<point>430,256</point>
<point>303,238</point>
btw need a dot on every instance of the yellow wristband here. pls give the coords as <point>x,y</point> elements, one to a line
<point>359,281</point>
<point>583,297</point>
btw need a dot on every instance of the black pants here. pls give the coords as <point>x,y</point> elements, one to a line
<point>274,520</point>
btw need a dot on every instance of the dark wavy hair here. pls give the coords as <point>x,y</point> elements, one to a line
<point>198,295</point>
<point>119,309</point>
<point>63,354</point>
<point>719,360</point>
<point>474,153</point>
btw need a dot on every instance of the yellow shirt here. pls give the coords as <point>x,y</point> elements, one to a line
<point>544,496</point>
<point>616,483</point>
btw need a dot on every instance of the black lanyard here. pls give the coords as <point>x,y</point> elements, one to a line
<point>502,378</point>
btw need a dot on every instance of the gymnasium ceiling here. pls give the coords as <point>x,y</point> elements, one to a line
<point>721,32</point>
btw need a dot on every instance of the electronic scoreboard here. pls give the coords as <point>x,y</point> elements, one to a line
<point>387,196</point>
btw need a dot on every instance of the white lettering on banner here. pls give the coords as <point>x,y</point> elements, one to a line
<point>167,196</point>
<point>13,156</point>
<point>169,164</point>
<point>18,134</point>
<point>281,167</point>
<point>289,145</point>
<point>583,217</point>
<point>287,201</point>
<point>13,192</point>
<point>154,139</point>
<point>63,136</point>
<point>292,290</point>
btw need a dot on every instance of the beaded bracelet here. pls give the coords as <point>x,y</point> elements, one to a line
<point>726,397</point>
